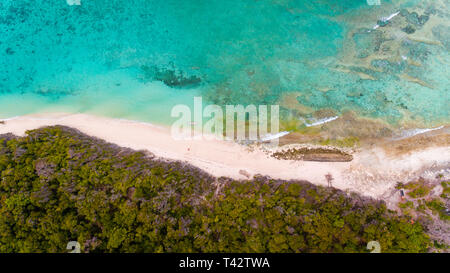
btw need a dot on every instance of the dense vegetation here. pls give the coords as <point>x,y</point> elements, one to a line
<point>58,185</point>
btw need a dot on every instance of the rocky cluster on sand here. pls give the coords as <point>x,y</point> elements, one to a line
<point>313,154</point>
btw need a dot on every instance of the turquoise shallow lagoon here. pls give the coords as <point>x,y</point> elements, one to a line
<point>135,59</point>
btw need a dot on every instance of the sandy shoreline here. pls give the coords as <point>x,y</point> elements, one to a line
<point>371,173</point>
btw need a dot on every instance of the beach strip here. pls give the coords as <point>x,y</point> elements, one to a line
<point>370,173</point>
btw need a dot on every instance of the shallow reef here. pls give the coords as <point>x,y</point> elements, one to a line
<point>102,56</point>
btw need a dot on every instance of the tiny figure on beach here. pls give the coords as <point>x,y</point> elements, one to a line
<point>447,211</point>
<point>402,195</point>
<point>329,179</point>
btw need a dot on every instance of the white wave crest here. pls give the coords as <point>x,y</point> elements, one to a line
<point>319,121</point>
<point>414,132</point>
<point>387,19</point>
<point>73,2</point>
<point>274,136</point>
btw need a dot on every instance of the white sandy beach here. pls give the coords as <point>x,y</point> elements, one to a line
<point>371,173</point>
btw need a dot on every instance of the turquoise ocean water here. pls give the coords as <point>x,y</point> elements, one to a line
<point>135,59</point>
